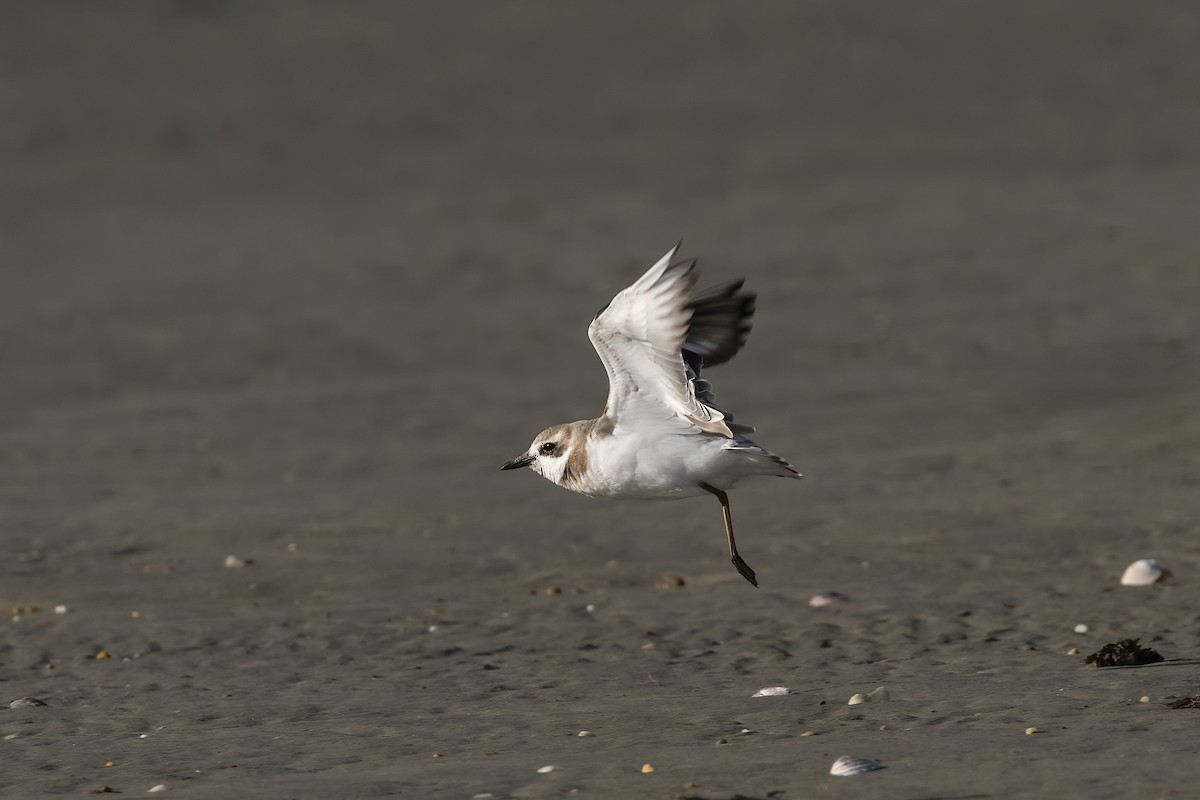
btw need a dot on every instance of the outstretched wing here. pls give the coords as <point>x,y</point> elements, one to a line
<point>640,338</point>
<point>721,319</point>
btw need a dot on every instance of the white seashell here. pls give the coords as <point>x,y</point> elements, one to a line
<point>853,765</point>
<point>1144,572</point>
<point>772,691</point>
<point>545,769</point>
<point>158,787</point>
<point>1081,628</point>
<point>855,699</point>
<point>27,702</point>
<point>234,562</point>
<point>824,599</point>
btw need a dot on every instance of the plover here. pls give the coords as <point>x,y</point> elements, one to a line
<point>662,435</point>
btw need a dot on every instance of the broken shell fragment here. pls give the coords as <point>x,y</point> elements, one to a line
<point>854,765</point>
<point>1144,572</point>
<point>772,691</point>
<point>855,699</point>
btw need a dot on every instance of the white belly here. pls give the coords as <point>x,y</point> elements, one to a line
<point>661,468</point>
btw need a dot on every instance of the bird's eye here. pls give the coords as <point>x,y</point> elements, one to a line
<point>547,447</point>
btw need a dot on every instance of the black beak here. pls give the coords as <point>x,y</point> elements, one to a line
<point>519,461</point>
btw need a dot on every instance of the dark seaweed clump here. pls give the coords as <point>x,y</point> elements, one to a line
<point>1125,653</point>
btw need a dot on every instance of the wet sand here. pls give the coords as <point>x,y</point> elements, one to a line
<point>290,282</point>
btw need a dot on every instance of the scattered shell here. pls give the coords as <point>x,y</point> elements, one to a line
<point>1074,651</point>
<point>810,733</point>
<point>772,691</point>
<point>1144,572</point>
<point>1081,628</point>
<point>552,590</point>
<point>670,582</point>
<point>826,599</point>
<point>855,699</point>
<point>233,562</point>
<point>745,731</point>
<point>60,609</point>
<point>545,769</point>
<point>1124,653</point>
<point>1030,731</point>
<point>27,702</point>
<point>585,733</point>
<point>590,608</point>
<point>103,654</point>
<point>1144,698</point>
<point>646,768</point>
<point>879,695</point>
<point>853,765</point>
<point>158,787</point>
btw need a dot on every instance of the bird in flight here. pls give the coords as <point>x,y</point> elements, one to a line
<point>662,435</point>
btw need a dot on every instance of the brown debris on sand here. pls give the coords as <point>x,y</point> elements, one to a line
<point>1124,653</point>
<point>1187,702</point>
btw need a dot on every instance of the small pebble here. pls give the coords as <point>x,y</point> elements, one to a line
<point>159,787</point>
<point>772,691</point>
<point>1144,698</point>
<point>1030,731</point>
<point>233,562</point>
<point>433,628</point>
<point>855,699</point>
<point>647,768</point>
<point>745,731</point>
<point>552,590</point>
<point>27,702</point>
<point>545,769</point>
<point>144,736</point>
<point>590,608</point>
<point>60,609</point>
<point>110,763</point>
<point>103,654</point>
<point>1081,628</point>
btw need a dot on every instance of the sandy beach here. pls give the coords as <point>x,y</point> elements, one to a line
<point>289,282</point>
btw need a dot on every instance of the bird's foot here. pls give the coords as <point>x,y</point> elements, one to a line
<point>744,570</point>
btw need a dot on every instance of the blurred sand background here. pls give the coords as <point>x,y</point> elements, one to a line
<point>289,281</point>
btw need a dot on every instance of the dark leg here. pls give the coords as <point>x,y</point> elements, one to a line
<point>742,567</point>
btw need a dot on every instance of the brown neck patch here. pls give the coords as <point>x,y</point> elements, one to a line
<point>577,463</point>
